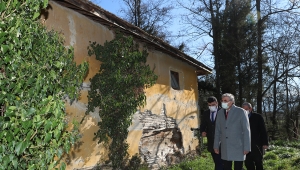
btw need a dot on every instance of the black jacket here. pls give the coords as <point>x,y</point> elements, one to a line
<point>259,135</point>
<point>209,127</point>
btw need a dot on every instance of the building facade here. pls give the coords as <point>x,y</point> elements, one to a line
<point>162,126</point>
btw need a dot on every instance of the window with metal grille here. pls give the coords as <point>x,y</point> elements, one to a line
<point>175,80</point>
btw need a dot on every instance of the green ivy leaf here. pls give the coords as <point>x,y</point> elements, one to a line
<point>35,15</point>
<point>31,111</point>
<point>12,108</point>
<point>46,109</point>
<point>63,166</point>
<point>5,160</point>
<point>21,146</point>
<point>29,134</point>
<point>48,137</point>
<point>14,161</point>
<point>57,134</point>
<point>45,3</point>
<point>2,34</point>
<point>2,148</point>
<point>51,166</point>
<point>15,3</point>
<point>9,137</point>
<point>4,48</point>
<point>48,125</point>
<point>2,7</point>
<point>2,40</point>
<point>59,153</point>
<point>67,146</point>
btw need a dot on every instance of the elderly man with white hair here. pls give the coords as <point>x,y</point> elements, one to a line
<point>232,132</point>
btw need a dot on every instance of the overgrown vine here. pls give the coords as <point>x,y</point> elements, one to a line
<point>37,72</point>
<point>118,90</point>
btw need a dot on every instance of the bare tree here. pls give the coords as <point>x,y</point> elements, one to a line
<point>204,18</point>
<point>282,51</point>
<point>232,30</point>
<point>265,10</point>
<point>152,16</point>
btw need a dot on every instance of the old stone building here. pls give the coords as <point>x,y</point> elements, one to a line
<point>159,129</point>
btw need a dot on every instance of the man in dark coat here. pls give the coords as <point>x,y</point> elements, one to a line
<point>259,139</point>
<point>207,128</point>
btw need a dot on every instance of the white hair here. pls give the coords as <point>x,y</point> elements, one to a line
<point>230,96</point>
<point>247,104</point>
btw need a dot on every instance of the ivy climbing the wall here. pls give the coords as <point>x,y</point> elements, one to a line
<point>37,73</point>
<point>118,90</point>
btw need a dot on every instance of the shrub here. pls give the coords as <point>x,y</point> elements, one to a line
<point>279,142</point>
<point>37,72</point>
<point>296,162</point>
<point>134,163</point>
<point>270,163</point>
<point>270,156</point>
<point>285,156</point>
<point>283,165</point>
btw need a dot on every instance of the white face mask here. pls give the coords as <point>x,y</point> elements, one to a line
<point>213,108</point>
<point>247,111</point>
<point>225,105</point>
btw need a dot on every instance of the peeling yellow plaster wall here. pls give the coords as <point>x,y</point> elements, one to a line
<point>181,104</point>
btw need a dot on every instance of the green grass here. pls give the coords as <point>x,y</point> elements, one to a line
<point>204,161</point>
<point>281,155</point>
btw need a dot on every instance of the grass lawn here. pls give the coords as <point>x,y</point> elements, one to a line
<point>281,155</point>
<point>204,162</point>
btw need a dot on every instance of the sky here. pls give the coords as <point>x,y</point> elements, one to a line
<point>112,6</point>
<point>115,6</point>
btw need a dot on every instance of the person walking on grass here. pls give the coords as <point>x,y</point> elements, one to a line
<point>233,133</point>
<point>259,139</point>
<point>207,129</point>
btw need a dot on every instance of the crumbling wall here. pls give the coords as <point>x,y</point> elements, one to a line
<point>160,139</point>
<point>154,135</point>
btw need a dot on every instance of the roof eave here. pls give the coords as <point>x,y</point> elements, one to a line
<point>102,16</point>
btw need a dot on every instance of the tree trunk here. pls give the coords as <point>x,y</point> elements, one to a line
<point>259,58</point>
<point>274,120</point>
<point>215,22</point>
<point>296,125</point>
<point>287,110</point>
<point>240,83</point>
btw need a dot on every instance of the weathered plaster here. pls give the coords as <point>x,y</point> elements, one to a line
<point>158,139</point>
<point>179,106</point>
<point>72,31</point>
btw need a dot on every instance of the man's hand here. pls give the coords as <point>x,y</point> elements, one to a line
<point>246,152</point>
<point>265,146</point>
<point>216,151</point>
<point>204,134</point>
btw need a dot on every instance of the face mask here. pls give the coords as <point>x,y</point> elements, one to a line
<point>225,105</point>
<point>212,108</point>
<point>247,111</point>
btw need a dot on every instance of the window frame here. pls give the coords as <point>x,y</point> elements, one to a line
<point>175,81</point>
